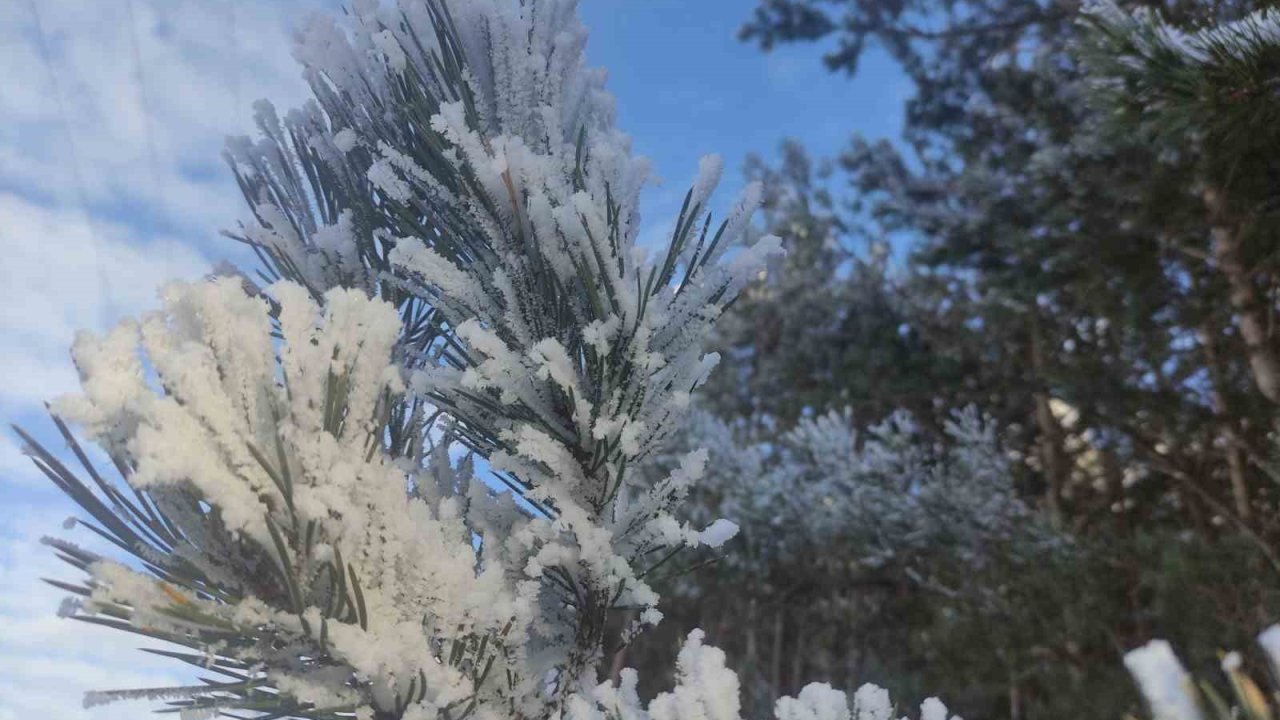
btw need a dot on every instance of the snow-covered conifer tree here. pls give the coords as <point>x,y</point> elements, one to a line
<point>393,476</point>
<point>890,495</point>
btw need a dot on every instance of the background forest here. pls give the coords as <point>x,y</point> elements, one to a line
<point>1024,359</point>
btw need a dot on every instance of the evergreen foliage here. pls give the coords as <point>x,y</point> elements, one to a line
<point>1095,277</point>
<point>438,455</point>
<point>1215,85</point>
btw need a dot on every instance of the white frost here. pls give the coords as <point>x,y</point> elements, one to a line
<point>1163,681</point>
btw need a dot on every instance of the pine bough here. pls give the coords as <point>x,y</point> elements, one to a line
<point>1215,84</point>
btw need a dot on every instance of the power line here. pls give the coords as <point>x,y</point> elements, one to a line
<point>143,99</point>
<point>106,302</point>
<point>237,92</point>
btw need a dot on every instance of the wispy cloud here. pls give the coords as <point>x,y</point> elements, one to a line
<point>125,103</point>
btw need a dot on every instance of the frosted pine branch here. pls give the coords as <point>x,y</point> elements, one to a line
<point>1216,83</point>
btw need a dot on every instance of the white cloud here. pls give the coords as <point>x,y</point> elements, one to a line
<point>127,102</point>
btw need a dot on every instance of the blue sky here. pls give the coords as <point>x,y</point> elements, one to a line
<point>111,182</point>
<point>686,86</point>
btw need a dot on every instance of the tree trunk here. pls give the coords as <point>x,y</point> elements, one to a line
<point>1245,299</point>
<point>1015,698</point>
<point>1052,456</point>
<point>1226,428</point>
<point>775,669</point>
<point>797,658</point>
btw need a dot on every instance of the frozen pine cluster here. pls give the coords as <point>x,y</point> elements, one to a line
<point>395,473</point>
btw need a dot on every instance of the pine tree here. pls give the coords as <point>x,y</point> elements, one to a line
<point>831,326</point>
<point>1207,97</point>
<point>394,475</point>
<point>856,544</point>
<point>1081,266</point>
<point>1210,94</point>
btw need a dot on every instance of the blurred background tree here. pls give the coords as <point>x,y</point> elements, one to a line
<point>1074,238</point>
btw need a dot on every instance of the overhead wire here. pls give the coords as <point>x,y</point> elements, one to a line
<point>106,300</point>
<point>145,103</point>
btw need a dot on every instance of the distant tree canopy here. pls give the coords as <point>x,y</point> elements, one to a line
<point>1082,203</point>
<point>1078,226</point>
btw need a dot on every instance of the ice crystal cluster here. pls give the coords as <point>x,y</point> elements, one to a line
<point>393,474</point>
